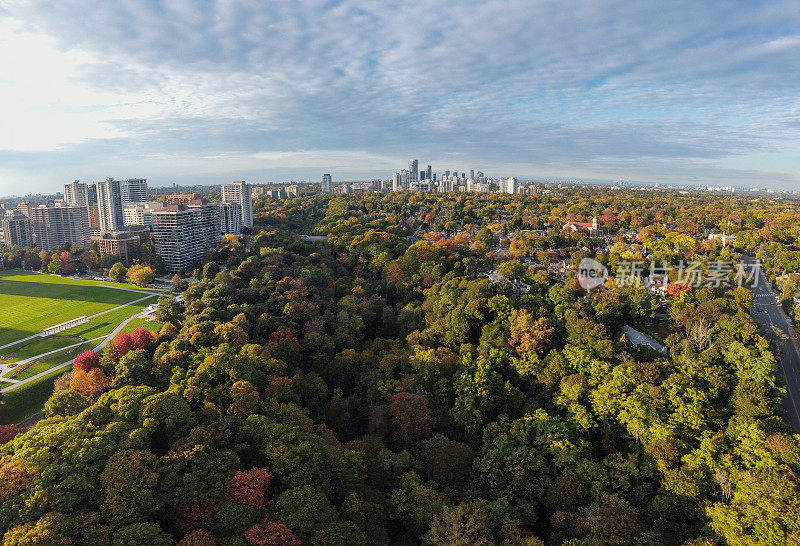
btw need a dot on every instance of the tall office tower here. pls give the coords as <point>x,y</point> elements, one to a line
<point>510,185</point>
<point>182,233</point>
<point>327,183</point>
<point>109,205</point>
<point>230,218</point>
<point>429,173</point>
<point>54,226</point>
<point>239,192</point>
<point>472,174</point>
<point>134,191</point>
<point>16,229</point>
<point>413,173</point>
<point>447,173</point>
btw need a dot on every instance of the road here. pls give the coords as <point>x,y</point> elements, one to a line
<point>769,313</point>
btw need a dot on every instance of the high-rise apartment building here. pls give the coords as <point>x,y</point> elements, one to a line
<point>140,214</point>
<point>54,226</point>
<point>509,185</point>
<point>134,190</point>
<point>230,218</point>
<point>182,233</point>
<point>239,192</point>
<point>327,183</point>
<point>75,193</point>
<point>181,198</point>
<point>429,173</point>
<point>16,229</point>
<point>109,204</point>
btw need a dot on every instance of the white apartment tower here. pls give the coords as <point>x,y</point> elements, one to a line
<point>109,204</point>
<point>75,194</point>
<point>327,183</point>
<point>239,192</point>
<point>134,191</point>
<point>510,185</point>
<point>230,218</point>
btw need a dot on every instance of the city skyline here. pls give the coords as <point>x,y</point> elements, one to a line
<point>693,94</point>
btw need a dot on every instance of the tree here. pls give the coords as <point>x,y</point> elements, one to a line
<point>305,511</point>
<point>86,361</point>
<point>123,344</point>
<point>528,334</point>
<point>55,265</point>
<point>129,480</point>
<point>178,284</point>
<point>140,275</point>
<point>269,533</point>
<point>250,487</point>
<point>66,403</point>
<point>210,271</point>
<point>245,399</point>
<point>132,369</point>
<point>118,272</point>
<point>142,337</point>
<point>85,382</point>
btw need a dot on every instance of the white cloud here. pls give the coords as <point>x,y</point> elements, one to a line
<point>512,83</point>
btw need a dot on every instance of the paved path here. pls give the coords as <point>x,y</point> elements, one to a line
<point>769,313</point>
<point>151,295</point>
<point>129,289</point>
<point>97,349</point>
<point>37,357</point>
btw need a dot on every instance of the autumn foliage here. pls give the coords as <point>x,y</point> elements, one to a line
<point>86,382</point>
<point>269,533</point>
<point>7,432</point>
<point>86,361</point>
<point>250,487</point>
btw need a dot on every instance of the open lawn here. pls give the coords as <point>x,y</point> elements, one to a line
<point>31,302</point>
<point>28,400</point>
<point>36,346</point>
<point>152,325</point>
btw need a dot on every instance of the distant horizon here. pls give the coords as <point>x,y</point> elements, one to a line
<point>679,93</point>
<point>533,179</point>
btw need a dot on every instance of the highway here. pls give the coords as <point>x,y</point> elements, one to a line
<point>769,313</point>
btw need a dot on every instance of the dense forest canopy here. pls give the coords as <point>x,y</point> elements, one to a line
<point>378,387</point>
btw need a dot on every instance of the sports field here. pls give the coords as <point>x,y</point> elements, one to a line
<point>30,302</point>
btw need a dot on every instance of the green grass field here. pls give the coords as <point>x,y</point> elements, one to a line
<point>32,302</point>
<point>152,325</point>
<point>23,403</point>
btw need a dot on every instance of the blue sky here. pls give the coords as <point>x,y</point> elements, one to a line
<point>207,92</point>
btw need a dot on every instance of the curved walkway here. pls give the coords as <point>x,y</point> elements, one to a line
<point>97,349</point>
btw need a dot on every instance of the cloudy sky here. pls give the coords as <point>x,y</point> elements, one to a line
<point>206,92</point>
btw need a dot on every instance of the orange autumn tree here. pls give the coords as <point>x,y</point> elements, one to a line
<point>85,382</point>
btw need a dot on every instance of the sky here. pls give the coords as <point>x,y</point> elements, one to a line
<point>213,91</point>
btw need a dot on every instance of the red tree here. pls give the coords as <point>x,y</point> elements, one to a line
<point>124,344</point>
<point>142,337</point>
<point>269,533</point>
<point>86,361</point>
<point>250,487</point>
<point>7,432</point>
<point>284,334</point>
